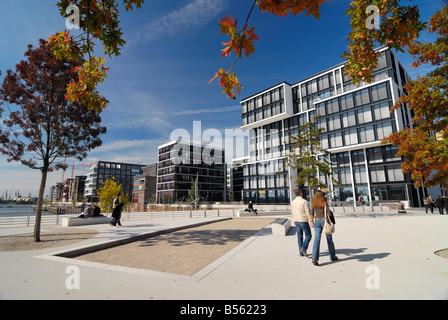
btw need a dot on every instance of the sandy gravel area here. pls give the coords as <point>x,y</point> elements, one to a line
<point>182,252</point>
<point>54,237</point>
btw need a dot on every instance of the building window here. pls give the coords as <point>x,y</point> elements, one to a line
<point>244,108</point>
<point>336,140</point>
<point>253,182</point>
<point>375,155</point>
<point>270,181</point>
<point>322,124</point>
<point>276,95</point>
<point>312,86</point>
<point>345,177</point>
<point>382,111</point>
<point>324,142</point>
<point>348,119</point>
<point>364,115</point>
<point>351,137</point>
<point>366,134</point>
<point>362,97</point>
<point>384,130</point>
<point>261,182</point>
<point>320,109</point>
<point>334,123</point>
<point>391,153</point>
<point>347,102</point>
<point>332,106</point>
<point>379,92</point>
<point>360,175</point>
<point>358,157</point>
<point>395,173</point>
<point>303,89</point>
<point>377,174</point>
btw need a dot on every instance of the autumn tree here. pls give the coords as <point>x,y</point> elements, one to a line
<point>39,127</point>
<point>400,25</point>
<point>108,192</point>
<point>425,144</point>
<point>307,158</point>
<point>99,22</point>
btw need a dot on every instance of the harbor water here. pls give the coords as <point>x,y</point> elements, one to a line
<point>17,210</point>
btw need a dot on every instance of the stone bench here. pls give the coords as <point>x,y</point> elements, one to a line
<point>280,226</point>
<point>75,221</point>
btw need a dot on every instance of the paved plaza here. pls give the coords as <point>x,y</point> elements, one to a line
<point>381,256</point>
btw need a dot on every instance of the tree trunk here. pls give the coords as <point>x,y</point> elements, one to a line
<point>40,201</point>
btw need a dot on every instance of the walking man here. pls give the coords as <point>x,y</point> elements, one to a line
<point>300,213</point>
<point>440,204</point>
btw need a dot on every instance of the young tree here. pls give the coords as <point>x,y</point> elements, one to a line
<point>108,193</point>
<point>42,128</point>
<point>399,26</point>
<point>425,145</point>
<point>193,198</point>
<point>304,157</point>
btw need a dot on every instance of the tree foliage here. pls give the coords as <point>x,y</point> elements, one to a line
<point>400,25</point>
<point>99,22</point>
<point>40,127</point>
<point>108,192</point>
<point>425,144</point>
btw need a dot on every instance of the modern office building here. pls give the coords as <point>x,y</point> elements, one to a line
<point>123,173</point>
<point>145,185</point>
<point>56,192</point>
<point>180,164</point>
<point>355,119</point>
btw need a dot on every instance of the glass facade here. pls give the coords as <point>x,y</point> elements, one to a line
<point>181,164</point>
<point>122,173</point>
<point>354,120</point>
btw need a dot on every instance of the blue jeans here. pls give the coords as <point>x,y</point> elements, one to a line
<point>318,227</point>
<point>303,227</point>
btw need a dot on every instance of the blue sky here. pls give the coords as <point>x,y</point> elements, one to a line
<point>160,81</point>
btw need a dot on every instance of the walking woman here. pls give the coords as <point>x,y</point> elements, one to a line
<point>318,207</point>
<point>116,213</point>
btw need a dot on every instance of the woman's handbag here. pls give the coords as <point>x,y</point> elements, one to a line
<point>328,225</point>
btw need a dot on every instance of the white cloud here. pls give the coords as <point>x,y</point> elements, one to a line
<point>208,110</point>
<point>192,16</point>
<point>133,151</point>
<point>123,145</point>
<point>131,109</point>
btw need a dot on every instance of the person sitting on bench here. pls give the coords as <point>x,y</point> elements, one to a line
<point>87,213</point>
<point>96,210</point>
<point>250,208</point>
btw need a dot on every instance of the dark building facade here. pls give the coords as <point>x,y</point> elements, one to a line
<point>180,164</point>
